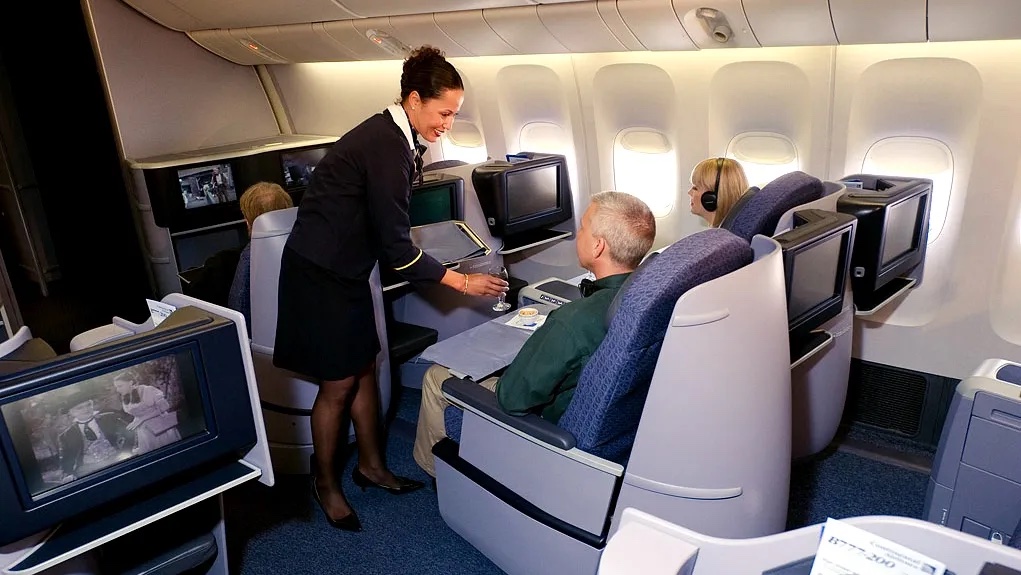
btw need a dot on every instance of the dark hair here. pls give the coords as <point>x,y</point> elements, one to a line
<point>427,72</point>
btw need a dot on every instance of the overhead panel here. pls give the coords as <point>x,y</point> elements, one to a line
<point>470,30</point>
<point>655,24</point>
<point>167,13</point>
<point>878,21</point>
<point>347,35</point>
<point>296,43</point>
<point>951,20</point>
<point>791,22</point>
<point>521,28</point>
<point>203,14</point>
<point>419,29</point>
<point>715,23</point>
<point>579,27</point>
<point>322,36</point>
<point>610,16</point>
<point>381,35</point>
<point>237,50</point>
<point>402,7</point>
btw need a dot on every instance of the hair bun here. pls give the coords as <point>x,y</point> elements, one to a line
<point>423,55</point>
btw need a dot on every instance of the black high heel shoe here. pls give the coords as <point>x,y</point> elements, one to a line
<point>348,522</point>
<point>404,485</point>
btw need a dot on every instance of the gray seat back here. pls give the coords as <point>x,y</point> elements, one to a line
<point>269,235</point>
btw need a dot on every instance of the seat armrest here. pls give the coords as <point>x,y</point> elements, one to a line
<point>472,396</point>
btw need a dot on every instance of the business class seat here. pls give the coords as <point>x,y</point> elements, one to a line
<point>683,411</point>
<point>820,382</point>
<point>287,397</point>
<point>649,545</point>
<point>443,165</point>
<point>22,346</point>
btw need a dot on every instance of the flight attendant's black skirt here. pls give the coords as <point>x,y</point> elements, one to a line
<point>325,324</point>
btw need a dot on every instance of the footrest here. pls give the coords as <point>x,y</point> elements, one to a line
<point>408,340</point>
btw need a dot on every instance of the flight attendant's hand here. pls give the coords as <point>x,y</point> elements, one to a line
<point>474,284</point>
<point>485,284</point>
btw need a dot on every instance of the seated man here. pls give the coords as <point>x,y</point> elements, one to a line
<point>616,232</point>
<point>258,199</point>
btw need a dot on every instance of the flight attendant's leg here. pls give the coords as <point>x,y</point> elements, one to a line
<point>371,468</point>
<point>328,419</point>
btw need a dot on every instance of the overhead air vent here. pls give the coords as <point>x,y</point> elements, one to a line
<point>715,24</point>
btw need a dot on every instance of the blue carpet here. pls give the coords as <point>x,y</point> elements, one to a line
<point>839,485</point>
<point>281,530</point>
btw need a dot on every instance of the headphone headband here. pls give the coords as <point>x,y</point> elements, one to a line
<point>719,172</point>
<point>710,199</point>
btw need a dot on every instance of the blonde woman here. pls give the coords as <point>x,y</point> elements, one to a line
<point>716,185</point>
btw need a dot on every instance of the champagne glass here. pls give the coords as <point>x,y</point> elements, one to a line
<point>500,272</point>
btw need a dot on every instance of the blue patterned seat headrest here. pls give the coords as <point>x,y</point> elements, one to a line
<point>612,310</point>
<point>603,414</point>
<point>759,212</point>
<point>745,199</point>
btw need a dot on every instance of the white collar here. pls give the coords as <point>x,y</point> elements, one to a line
<point>400,117</point>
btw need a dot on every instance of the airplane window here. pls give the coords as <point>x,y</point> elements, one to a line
<point>544,137</point>
<point>464,142</point>
<point>645,165</point>
<point>764,156</point>
<point>919,158</point>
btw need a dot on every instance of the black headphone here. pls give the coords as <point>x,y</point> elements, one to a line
<point>711,198</point>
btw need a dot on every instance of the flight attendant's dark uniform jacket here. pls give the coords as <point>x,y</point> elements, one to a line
<point>354,213</point>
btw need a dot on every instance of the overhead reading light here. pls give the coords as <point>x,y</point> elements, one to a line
<point>715,24</point>
<point>258,48</point>
<point>389,43</point>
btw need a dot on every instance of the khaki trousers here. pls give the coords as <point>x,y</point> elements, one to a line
<point>430,415</point>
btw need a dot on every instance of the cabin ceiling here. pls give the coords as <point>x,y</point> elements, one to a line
<point>253,32</point>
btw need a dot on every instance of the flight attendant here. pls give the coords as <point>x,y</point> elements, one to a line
<point>353,215</point>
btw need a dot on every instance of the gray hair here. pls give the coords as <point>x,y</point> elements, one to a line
<point>626,224</point>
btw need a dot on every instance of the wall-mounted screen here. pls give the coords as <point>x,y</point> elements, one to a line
<point>901,229</point>
<point>817,276</point>
<point>71,432</point>
<point>207,185</point>
<point>298,166</point>
<point>533,192</point>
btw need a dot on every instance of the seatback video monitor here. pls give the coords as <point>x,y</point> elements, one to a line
<point>207,185</point>
<point>816,256</point>
<point>893,225</point>
<point>438,198</point>
<point>99,428</point>
<point>298,165</point>
<point>525,195</point>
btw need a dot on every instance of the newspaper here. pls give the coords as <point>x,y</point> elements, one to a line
<point>159,311</point>
<point>848,550</point>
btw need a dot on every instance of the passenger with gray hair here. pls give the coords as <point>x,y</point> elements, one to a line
<point>616,232</point>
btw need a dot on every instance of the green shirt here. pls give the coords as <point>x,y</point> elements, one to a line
<point>543,375</point>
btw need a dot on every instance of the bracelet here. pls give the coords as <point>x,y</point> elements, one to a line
<point>465,292</point>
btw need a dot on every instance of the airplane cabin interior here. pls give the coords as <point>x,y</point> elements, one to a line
<point>842,351</point>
